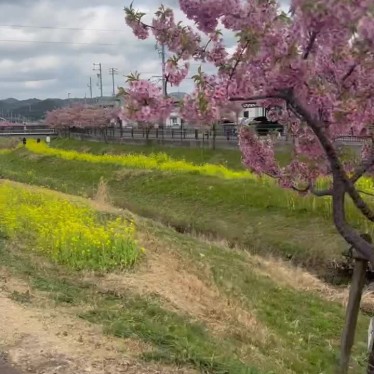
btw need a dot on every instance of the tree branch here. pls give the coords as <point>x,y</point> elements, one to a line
<point>259,97</point>
<point>207,44</point>
<point>336,166</point>
<point>361,170</point>
<point>310,188</point>
<point>310,44</point>
<point>238,60</point>
<point>349,234</point>
<point>320,193</point>
<point>349,72</point>
<point>366,193</point>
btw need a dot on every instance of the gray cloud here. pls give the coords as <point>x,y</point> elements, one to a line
<point>42,70</point>
<point>52,70</point>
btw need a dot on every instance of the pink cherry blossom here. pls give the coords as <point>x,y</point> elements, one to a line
<point>82,116</point>
<point>316,63</point>
<point>174,73</point>
<point>144,102</point>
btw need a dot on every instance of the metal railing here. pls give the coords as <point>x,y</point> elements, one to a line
<point>28,132</point>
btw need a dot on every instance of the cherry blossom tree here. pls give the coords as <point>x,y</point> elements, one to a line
<point>231,111</point>
<point>61,119</point>
<point>84,117</point>
<point>5,124</point>
<point>316,64</point>
<point>144,103</point>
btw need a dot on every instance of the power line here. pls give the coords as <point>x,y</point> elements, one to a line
<point>58,28</point>
<point>51,42</point>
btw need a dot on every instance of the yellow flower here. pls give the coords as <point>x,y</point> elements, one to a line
<point>67,232</point>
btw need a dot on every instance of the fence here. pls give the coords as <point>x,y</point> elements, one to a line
<point>187,137</point>
<point>222,137</point>
<point>9,132</point>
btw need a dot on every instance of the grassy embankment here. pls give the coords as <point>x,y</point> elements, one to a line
<point>191,303</point>
<point>228,203</point>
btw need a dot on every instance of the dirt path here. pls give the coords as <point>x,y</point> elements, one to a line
<point>44,340</point>
<point>5,368</point>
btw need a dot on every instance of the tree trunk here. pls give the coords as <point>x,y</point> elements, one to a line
<point>353,308</point>
<point>104,135</point>
<point>214,137</point>
<point>370,369</point>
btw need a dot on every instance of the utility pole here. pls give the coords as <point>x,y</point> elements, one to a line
<point>89,85</point>
<point>113,72</point>
<point>97,67</point>
<point>163,69</point>
<point>162,53</point>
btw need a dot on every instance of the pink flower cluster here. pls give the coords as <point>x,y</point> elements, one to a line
<point>321,55</point>
<point>218,54</point>
<point>81,116</point>
<point>174,73</point>
<point>140,30</point>
<point>199,109</point>
<point>144,102</point>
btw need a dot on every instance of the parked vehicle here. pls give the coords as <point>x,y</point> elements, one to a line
<point>265,127</point>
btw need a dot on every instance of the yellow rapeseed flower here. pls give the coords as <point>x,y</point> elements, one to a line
<point>68,233</point>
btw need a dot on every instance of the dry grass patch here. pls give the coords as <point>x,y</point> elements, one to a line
<point>290,276</point>
<point>102,196</point>
<point>167,276</point>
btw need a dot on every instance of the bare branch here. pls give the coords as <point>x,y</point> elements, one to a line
<point>310,188</point>
<point>349,72</point>
<point>361,170</point>
<point>166,84</point>
<point>238,60</point>
<point>259,97</point>
<point>365,248</point>
<point>309,47</point>
<point>301,190</point>
<point>207,44</point>
<point>320,193</point>
<point>366,193</point>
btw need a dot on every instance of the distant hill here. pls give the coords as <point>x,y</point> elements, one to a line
<point>177,95</point>
<point>10,101</point>
<point>34,109</point>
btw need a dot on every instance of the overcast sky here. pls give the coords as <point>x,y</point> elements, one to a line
<point>42,70</point>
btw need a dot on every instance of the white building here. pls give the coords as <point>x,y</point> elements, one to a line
<point>252,110</point>
<point>174,119</point>
<point>249,110</point>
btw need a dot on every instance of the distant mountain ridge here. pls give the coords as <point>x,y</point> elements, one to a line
<point>36,109</point>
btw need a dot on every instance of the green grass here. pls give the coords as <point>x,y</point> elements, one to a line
<point>231,158</point>
<point>240,211</point>
<point>178,341</point>
<point>303,322</point>
<point>304,328</point>
<point>176,338</point>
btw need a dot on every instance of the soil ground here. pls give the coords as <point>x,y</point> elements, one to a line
<point>5,368</point>
<point>45,340</point>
